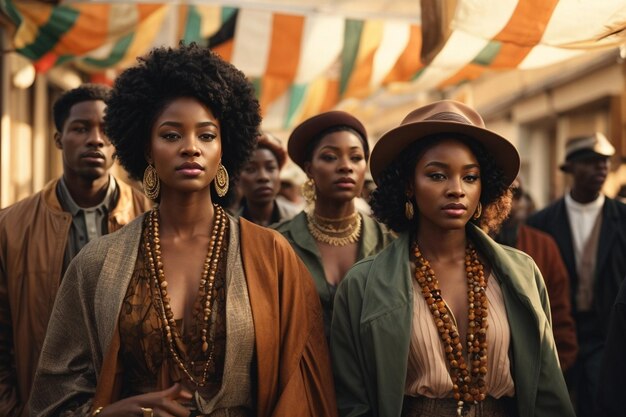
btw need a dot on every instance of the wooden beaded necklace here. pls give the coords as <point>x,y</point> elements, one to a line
<point>152,246</point>
<point>468,377</point>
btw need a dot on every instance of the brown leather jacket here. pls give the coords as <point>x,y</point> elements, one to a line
<point>33,238</point>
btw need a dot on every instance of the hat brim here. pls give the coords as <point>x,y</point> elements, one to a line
<point>580,156</point>
<point>311,128</point>
<point>396,140</point>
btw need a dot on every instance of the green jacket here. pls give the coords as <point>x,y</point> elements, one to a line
<point>371,329</point>
<point>374,237</point>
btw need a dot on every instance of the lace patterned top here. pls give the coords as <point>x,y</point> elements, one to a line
<point>144,353</point>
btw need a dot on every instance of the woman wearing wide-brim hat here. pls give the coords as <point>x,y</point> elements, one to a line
<point>331,235</point>
<point>444,321</point>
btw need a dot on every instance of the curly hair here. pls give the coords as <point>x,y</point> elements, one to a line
<point>86,92</point>
<point>142,92</point>
<point>388,200</point>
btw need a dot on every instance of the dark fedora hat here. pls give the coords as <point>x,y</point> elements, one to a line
<point>311,128</point>
<point>444,116</point>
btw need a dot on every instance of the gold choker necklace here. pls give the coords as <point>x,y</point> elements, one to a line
<point>328,231</point>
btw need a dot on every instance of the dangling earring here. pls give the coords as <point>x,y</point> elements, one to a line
<point>478,212</point>
<point>221,181</point>
<point>409,211</point>
<point>308,191</point>
<point>151,183</point>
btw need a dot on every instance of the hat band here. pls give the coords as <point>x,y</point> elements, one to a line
<point>582,154</point>
<point>449,116</point>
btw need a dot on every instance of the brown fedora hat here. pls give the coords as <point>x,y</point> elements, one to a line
<point>446,116</point>
<point>312,127</point>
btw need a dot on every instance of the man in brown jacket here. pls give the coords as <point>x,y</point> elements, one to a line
<point>41,234</point>
<point>544,251</point>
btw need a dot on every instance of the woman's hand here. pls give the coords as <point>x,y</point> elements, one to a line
<point>163,404</point>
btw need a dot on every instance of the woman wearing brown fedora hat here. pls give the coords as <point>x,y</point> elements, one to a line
<point>331,235</point>
<point>444,321</point>
<point>259,182</point>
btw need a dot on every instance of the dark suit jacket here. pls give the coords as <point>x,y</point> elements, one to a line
<point>611,257</point>
<point>613,376</point>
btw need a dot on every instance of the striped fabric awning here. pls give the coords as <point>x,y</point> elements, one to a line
<point>305,62</point>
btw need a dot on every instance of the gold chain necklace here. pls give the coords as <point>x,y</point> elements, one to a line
<point>152,246</point>
<point>331,226</point>
<point>333,235</point>
<point>468,378</point>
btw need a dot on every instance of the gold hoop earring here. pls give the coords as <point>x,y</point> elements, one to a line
<point>308,191</point>
<point>409,210</point>
<point>478,212</point>
<point>221,181</point>
<point>151,183</point>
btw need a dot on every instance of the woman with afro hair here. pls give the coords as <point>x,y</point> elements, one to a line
<point>444,321</point>
<point>177,314</point>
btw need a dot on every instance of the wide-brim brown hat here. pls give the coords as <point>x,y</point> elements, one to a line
<point>582,147</point>
<point>446,116</point>
<point>311,128</point>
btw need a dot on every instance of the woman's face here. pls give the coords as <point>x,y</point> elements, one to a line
<point>259,179</point>
<point>338,166</point>
<point>185,146</point>
<point>446,185</point>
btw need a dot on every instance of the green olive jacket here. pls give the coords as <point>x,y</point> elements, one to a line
<point>371,330</point>
<point>374,237</point>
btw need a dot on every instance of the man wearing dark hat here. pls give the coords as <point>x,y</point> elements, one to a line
<point>590,230</point>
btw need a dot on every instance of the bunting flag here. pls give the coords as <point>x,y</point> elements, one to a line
<point>303,64</point>
<point>488,35</point>
<point>102,36</point>
<point>299,65</point>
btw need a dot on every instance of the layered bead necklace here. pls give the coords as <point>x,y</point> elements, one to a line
<point>468,377</point>
<point>152,246</point>
<point>331,232</point>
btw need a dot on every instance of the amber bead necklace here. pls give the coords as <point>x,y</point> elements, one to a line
<point>329,231</point>
<point>468,377</point>
<point>152,246</point>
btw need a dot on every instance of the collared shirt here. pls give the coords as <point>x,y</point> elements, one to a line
<point>245,213</point>
<point>88,223</point>
<point>582,218</point>
<point>427,371</point>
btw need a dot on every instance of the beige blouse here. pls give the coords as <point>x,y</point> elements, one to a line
<point>427,372</point>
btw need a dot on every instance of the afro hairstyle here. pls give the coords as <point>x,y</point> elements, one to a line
<point>140,94</point>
